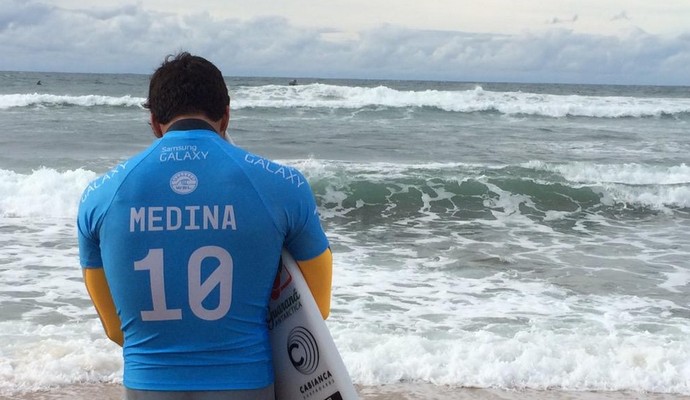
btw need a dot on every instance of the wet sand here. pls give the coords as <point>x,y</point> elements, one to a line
<point>387,392</point>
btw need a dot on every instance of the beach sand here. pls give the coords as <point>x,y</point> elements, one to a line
<point>387,392</point>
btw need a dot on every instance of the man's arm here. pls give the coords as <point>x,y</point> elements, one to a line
<point>318,272</point>
<point>97,286</point>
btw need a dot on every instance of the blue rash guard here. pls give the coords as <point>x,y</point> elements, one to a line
<point>189,233</point>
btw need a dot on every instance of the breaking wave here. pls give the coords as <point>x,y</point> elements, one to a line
<point>354,97</point>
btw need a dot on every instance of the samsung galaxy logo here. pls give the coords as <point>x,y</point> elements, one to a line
<point>182,153</point>
<point>287,173</point>
<point>102,180</point>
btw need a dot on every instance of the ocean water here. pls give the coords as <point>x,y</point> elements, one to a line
<point>485,235</point>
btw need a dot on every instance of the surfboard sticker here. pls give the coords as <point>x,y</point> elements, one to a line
<point>305,359</point>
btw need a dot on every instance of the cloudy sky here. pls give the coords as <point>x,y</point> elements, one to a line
<point>549,41</point>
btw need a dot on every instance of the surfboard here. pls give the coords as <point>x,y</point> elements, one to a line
<point>305,359</point>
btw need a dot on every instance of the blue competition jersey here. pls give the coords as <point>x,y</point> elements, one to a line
<point>190,233</point>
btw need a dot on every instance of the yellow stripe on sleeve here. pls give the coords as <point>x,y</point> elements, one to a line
<point>97,286</point>
<point>318,272</point>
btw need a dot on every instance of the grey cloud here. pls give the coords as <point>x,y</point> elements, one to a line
<point>620,16</point>
<point>132,39</point>
<point>556,20</point>
<point>19,13</point>
<point>554,56</point>
<point>112,12</point>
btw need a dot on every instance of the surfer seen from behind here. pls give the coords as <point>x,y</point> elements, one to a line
<point>180,245</point>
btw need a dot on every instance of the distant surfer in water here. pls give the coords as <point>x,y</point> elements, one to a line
<point>38,83</point>
<point>293,82</point>
<point>180,246</point>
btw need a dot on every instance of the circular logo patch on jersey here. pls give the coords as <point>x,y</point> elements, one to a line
<point>183,182</point>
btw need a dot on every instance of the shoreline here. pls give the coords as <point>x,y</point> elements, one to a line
<point>402,391</point>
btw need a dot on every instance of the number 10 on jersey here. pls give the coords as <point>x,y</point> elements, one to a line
<point>197,291</point>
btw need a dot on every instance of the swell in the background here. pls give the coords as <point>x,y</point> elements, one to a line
<point>327,96</point>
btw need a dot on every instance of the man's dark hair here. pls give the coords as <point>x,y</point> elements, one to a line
<point>187,84</point>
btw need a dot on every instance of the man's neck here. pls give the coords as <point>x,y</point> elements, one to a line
<point>190,124</point>
<point>212,125</point>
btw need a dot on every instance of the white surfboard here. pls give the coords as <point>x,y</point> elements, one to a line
<point>306,362</point>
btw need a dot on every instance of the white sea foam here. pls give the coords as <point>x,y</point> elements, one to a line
<point>630,174</point>
<point>397,314</point>
<point>44,100</point>
<point>35,357</point>
<point>530,359</point>
<point>397,324</point>
<point>43,193</point>
<point>677,280</point>
<point>654,186</point>
<point>510,103</point>
<point>355,97</point>
<point>415,324</point>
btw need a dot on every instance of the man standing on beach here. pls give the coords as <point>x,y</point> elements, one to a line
<point>180,246</point>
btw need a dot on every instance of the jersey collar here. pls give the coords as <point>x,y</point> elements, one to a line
<point>190,124</point>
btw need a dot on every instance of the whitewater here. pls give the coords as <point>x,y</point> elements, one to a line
<point>342,97</point>
<point>498,236</point>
